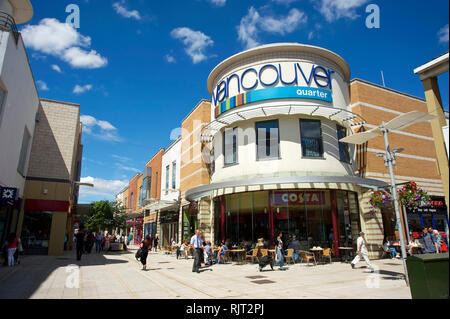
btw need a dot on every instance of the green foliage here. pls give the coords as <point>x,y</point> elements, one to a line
<point>106,215</point>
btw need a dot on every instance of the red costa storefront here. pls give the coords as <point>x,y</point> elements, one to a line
<point>326,218</point>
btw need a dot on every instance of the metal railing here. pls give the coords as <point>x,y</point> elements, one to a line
<point>7,23</point>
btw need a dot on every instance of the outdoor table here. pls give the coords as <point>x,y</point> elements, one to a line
<point>348,251</point>
<point>316,252</point>
<point>238,252</point>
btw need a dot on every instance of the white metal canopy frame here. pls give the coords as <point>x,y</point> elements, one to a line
<point>347,118</point>
<point>398,123</point>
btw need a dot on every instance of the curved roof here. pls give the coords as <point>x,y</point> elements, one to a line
<point>23,10</point>
<point>277,47</point>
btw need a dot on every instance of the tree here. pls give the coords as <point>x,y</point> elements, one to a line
<point>106,215</point>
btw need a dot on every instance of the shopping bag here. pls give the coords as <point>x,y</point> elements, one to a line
<point>138,254</point>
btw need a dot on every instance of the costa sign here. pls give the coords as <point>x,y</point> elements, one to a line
<point>296,198</point>
<point>270,75</point>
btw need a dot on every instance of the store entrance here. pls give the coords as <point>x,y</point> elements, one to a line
<point>36,232</point>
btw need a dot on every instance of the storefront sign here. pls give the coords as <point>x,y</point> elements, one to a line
<point>436,207</point>
<point>270,75</point>
<point>169,217</point>
<point>298,198</point>
<point>286,92</point>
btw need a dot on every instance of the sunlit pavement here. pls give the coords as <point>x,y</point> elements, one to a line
<point>119,275</point>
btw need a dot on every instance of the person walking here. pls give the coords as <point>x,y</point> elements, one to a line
<point>280,252</point>
<point>107,242</point>
<point>196,242</point>
<point>361,252</point>
<point>155,242</point>
<point>80,240</point>
<point>98,242</point>
<point>12,246</point>
<point>144,251</point>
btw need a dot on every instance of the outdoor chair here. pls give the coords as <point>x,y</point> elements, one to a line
<point>385,253</point>
<point>304,255</point>
<point>264,252</point>
<point>414,250</point>
<point>290,255</point>
<point>226,256</point>
<point>253,255</point>
<point>326,254</point>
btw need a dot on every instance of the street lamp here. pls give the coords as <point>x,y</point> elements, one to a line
<point>398,123</point>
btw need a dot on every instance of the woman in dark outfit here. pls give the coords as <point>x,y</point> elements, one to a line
<point>144,251</point>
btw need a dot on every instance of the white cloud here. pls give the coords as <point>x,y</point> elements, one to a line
<point>78,89</point>
<point>99,129</point>
<point>42,85</point>
<point>443,34</point>
<point>219,3</point>
<point>56,68</point>
<point>335,9</point>
<point>253,23</point>
<point>169,58</point>
<point>121,158</point>
<point>103,188</point>
<point>59,39</point>
<point>196,42</point>
<point>127,168</point>
<point>120,9</point>
<point>82,59</point>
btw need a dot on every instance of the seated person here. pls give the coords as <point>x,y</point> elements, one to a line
<point>387,247</point>
<point>184,249</point>
<point>294,244</point>
<point>412,243</point>
<point>221,253</point>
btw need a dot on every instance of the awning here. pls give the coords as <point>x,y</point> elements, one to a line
<point>162,205</point>
<point>345,117</point>
<point>134,215</point>
<point>205,190</point>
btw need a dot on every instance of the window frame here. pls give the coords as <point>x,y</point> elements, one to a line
<point>235,133</point>
<point>346,147</point>
<point>278,157</point>
<point>321,146</point>
<point>174,174</point>
<point>24,153</point>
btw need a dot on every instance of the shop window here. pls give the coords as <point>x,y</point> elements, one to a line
<point>2,102</point>
<point>344,154</point>
<point>311,138</point>
<point>36,231</point>
<point>131,201</point>
<point>267,140</point>
<point>230,138</point>
<point>24,152</point>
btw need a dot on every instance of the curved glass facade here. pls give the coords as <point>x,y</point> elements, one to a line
<point>327,218</point>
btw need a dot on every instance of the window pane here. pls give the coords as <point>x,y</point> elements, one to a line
<point>267,141</point>
<point>343,147</point>
<point>311,138</point>
<point>24,152</point>
<point>230,146</point>
<point>174,174</point>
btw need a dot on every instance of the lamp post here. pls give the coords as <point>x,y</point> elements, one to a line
<point>397,123</point>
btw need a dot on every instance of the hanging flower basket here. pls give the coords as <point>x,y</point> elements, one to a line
<point>379,200</point>
<point>412,196</point>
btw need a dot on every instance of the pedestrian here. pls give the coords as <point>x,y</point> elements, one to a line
<point>107,242</point>
<point>438,239</point>
<point>361,252</point>
<point>155,242</point>
<point>207,253</point>
<point>280,252</point>
<point>98,242</point>
<point>144,252</point>
<point>12,246</point>
<point>129,239</point>
<point>80,240</point>
<point>90,242</point>
<point>431,247</point>
<point>66,238</point>
<point>196,242</point>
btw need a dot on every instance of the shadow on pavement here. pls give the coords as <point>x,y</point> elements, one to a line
<point>22,281</point>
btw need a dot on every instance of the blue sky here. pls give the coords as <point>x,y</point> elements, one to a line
<point>137,67</point>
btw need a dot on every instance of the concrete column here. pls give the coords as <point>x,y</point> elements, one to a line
<point>57,232</point>
<point>371,225</point>
<point>434,104</point>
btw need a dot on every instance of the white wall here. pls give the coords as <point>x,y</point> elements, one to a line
<point>19,109</point>
<point>172,154</point>
<point>290,163</point>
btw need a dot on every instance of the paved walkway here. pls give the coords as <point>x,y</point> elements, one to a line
<point>119,275</point>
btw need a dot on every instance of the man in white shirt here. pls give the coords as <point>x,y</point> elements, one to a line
<point>361,252</point>
<point>197,242</point>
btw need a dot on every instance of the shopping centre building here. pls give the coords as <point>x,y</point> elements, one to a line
<point>263,155</point>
